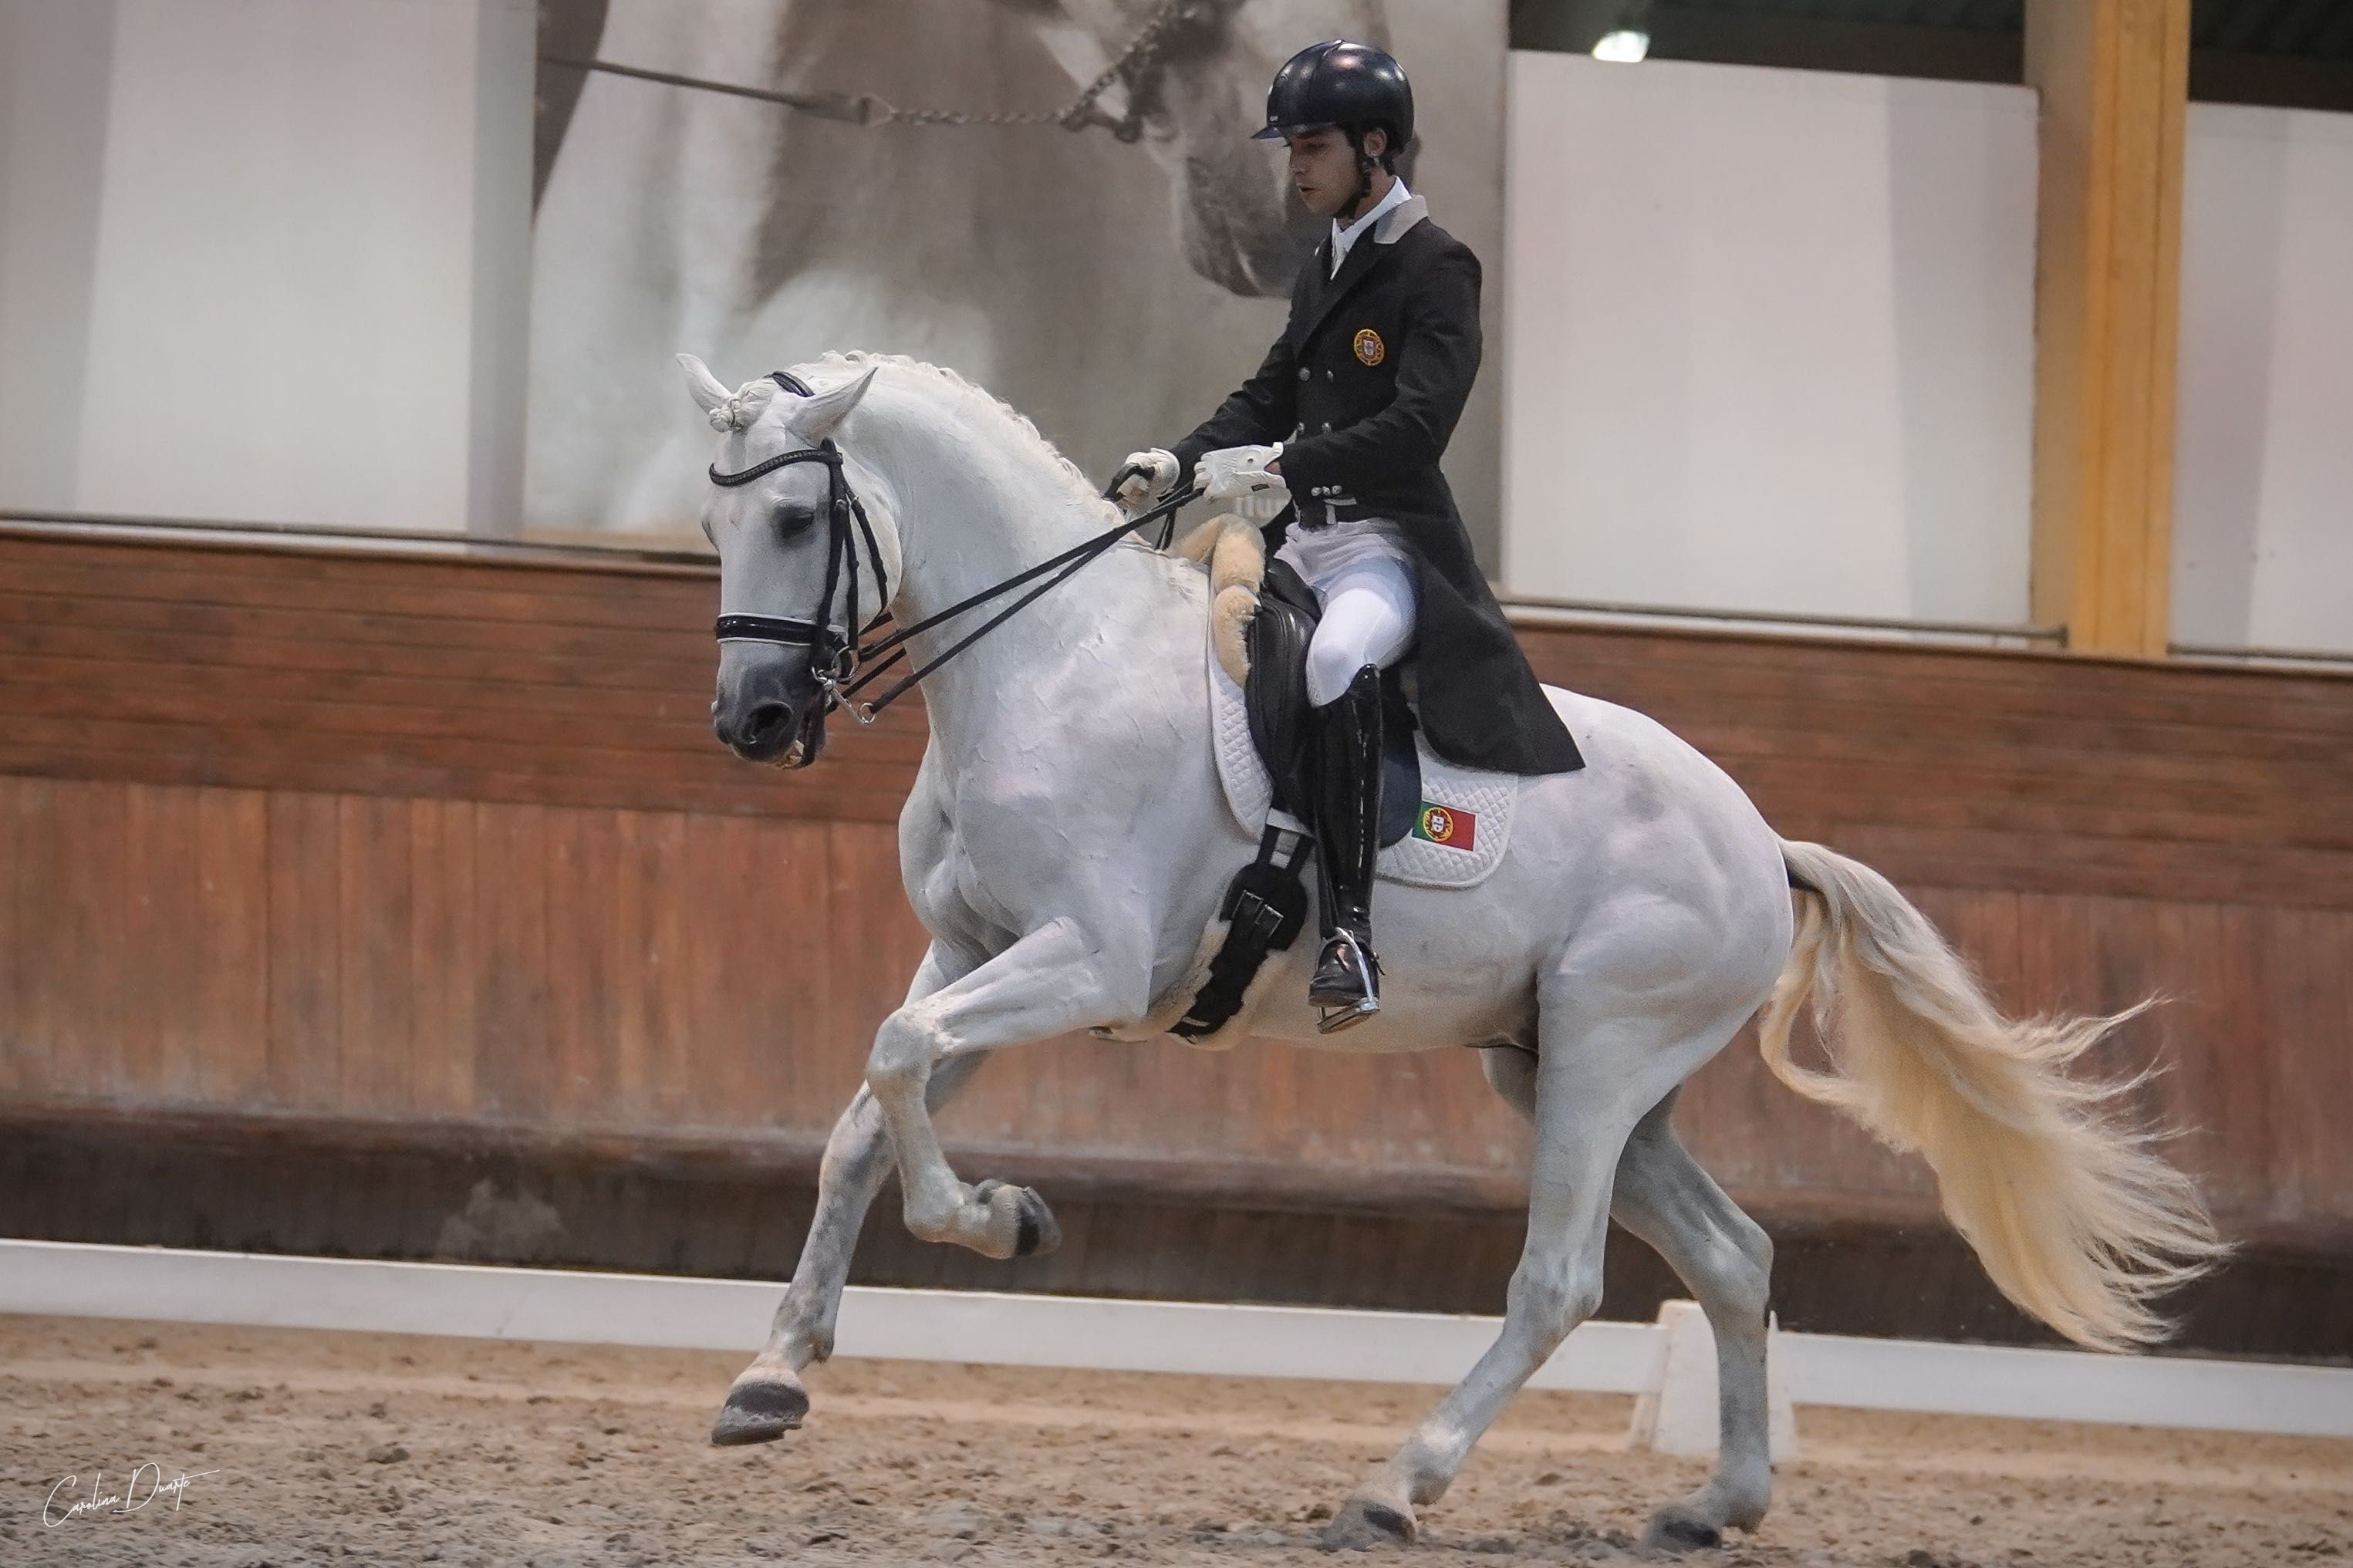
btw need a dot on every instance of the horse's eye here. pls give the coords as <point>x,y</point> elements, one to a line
<point>794,520</point>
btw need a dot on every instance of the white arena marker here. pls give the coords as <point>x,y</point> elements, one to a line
<point>1678,1414</point>
<point>71,1280</point>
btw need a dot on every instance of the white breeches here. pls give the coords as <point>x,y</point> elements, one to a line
<point>1367,593</point>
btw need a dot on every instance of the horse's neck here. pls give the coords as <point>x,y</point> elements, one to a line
<point>972,511</point>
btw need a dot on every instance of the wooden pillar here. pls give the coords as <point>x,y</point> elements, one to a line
<point>2114,76</point>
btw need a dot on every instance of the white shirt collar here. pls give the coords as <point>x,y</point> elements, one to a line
<point>1343,239</point>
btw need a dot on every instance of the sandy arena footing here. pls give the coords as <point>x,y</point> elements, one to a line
<point>327,1449</point>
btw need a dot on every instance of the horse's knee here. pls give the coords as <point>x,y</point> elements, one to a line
<point>900,1066</point>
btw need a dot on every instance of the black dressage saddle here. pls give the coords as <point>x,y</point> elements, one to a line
<point>1266,906</point>
<point>1275,697</point>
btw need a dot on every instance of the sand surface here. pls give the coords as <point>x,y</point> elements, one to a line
<point>327,1449</point>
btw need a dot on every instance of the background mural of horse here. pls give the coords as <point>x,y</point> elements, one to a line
<point>1116,288</point>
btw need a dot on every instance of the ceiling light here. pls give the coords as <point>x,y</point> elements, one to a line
<point>1623,47</point>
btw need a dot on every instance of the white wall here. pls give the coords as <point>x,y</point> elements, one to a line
<point>2264,477</point>
<point>265,259</point>
<point>1769,340</point>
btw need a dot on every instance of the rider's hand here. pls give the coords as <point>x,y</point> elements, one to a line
<point>1237,478</point>
<point>1154,471</point>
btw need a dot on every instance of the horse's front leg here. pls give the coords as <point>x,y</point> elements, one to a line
<point>768,1399</point>
<point>1051,981</point>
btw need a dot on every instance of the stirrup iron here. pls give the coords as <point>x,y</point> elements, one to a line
<point>1333,1018</point>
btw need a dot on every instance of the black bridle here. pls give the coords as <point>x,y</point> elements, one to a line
<point>840,655</point>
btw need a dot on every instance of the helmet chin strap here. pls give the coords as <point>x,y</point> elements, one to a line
<point>1357,197</point>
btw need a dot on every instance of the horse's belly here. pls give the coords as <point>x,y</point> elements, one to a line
<point>1456,969</point>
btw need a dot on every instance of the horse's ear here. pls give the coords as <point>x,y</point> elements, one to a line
<point>816,419</point>
<point>701,385</point>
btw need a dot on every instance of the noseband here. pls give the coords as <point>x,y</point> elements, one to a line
<point>839,655</point>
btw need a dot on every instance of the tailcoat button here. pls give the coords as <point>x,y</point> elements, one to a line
<point>1303,373</point>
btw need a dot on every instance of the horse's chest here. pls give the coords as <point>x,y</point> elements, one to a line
<point>1003,855</point>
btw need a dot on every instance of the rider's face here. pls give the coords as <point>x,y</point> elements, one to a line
<point>1323,167</point>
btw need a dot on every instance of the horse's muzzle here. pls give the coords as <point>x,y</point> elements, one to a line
<point>772,731</point>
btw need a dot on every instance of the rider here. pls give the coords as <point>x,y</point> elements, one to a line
<point>1349,415</point>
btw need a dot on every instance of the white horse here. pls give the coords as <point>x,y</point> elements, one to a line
<point>673,215</point>
<point>1066,844</point>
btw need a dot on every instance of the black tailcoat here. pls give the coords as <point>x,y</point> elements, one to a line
<point>1364,388</point>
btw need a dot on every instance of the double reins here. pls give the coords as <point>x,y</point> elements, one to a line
<point>843,659</point>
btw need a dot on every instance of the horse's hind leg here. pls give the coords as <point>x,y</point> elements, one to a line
<point>766,1399</point>
<point>1725,1261</point>
<point>1593,1080</point>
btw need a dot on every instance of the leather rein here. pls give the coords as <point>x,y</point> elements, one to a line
<point>843,659</point>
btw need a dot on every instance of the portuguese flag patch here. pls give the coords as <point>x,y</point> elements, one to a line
<point>1445,825</point>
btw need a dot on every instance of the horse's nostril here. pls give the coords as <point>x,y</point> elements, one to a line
<point>766,721</point>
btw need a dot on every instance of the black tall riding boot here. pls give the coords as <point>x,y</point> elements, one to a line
<point>1347,762</point>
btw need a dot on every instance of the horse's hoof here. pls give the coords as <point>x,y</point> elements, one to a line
<point>759,1410</point>
<point>1674,1530</point>
<point>1360,1526</point>
<point>1035,1232</point>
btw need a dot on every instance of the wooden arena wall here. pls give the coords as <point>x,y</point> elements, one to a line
<point>333,877</point>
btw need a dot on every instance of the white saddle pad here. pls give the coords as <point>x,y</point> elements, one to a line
<point>1461,826</point>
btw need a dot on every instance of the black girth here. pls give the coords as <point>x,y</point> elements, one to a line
<point>840,655</point>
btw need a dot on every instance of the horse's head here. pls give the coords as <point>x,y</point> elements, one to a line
<point>773,524</point>
<point>1199,95</point>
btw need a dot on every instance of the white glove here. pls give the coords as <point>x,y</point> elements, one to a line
<point>1236,479</point>
<point>1156,470</point>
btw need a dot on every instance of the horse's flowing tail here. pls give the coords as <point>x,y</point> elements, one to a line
<point>2073,1216</point>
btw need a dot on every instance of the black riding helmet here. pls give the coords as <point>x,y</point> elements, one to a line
<point>1354,86</point>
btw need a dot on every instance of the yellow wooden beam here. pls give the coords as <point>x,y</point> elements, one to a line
<point>2114,76</point>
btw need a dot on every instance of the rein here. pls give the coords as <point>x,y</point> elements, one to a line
<point>840,655</point>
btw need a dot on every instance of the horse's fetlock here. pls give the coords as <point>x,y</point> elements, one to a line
<point>1748,1495</point>
<point>1429,1478</point>
<point>931,1221</point>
